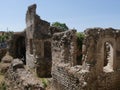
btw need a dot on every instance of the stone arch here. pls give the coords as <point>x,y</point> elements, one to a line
<point>101,54</point>
<point>108,57</point>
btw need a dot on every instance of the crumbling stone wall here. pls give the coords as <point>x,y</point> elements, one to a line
<point>34,44</point>
<point>17,45</point>
<point>18,78</point>
<point>91,75</point>
<point>5,63</point>
<point>37,34</point>
<point>95,56</point>
<point>63,48</point>
<point>63,57</point>
<point>100,69</point>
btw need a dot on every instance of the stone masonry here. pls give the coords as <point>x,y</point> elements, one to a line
<point>45,48</point>
<point>93,74</point>
<point>33,45</point>
<point>18,78</point>
<point>38,43</point>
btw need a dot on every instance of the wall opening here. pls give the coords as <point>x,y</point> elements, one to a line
<point>108,57</point>
<point>80,38</point>
<point>31,46</point>
<point>21,49</point>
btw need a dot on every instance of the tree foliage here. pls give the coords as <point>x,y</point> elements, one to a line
<point>59,25</point>
<point>6,36</point>
<point>2,38</point>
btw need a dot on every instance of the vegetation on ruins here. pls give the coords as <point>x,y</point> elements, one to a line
<point>59,25</point>
<point>2,83</point>
<point>2,38</point>
<point>6,36</point>
<point>44,82</point>
<point>3,86</point>
<point>80,38</point>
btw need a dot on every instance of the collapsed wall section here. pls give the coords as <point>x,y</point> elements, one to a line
<point>63,48</point>
<point>63,57</point>
<point>17,45</point>
<point>18,78</point>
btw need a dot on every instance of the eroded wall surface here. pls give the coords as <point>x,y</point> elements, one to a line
<point>38,41</point>
<point>18,78</point>
<point>93,74</point>
<point>48,47</point>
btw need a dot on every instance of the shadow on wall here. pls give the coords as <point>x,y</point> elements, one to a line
<point>80,38</point>
<point>20,48</point>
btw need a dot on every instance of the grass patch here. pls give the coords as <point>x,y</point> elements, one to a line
<point>3,86</point>
<point>44,82</point>
<point>2,83</point>
<point>1,78</point>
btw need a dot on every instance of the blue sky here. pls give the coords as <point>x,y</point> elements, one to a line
<point>78,14</point>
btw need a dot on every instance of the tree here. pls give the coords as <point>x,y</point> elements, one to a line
<point>6,36</point>
<point>2,38</point>
<point>59,25</point>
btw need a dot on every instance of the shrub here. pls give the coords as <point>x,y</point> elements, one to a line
<point>3,86</point>
<point>44,82</point>
<point>61,26</point>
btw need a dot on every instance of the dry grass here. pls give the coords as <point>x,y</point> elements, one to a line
<point>2,83</point>
<point>1,78</point>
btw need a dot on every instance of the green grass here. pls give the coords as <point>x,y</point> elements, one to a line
<point>44,82</point>
<point>3,86</point>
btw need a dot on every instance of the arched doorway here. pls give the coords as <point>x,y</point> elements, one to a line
<point>108,57</point>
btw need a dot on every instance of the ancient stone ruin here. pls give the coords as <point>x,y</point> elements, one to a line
<point>51,53</point>
<point>99,71</point>
<point>38,43</point>
<point>18,78</point>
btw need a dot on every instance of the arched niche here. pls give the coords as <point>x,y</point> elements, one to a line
<point>108,57</point>
<point>106,61</point>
